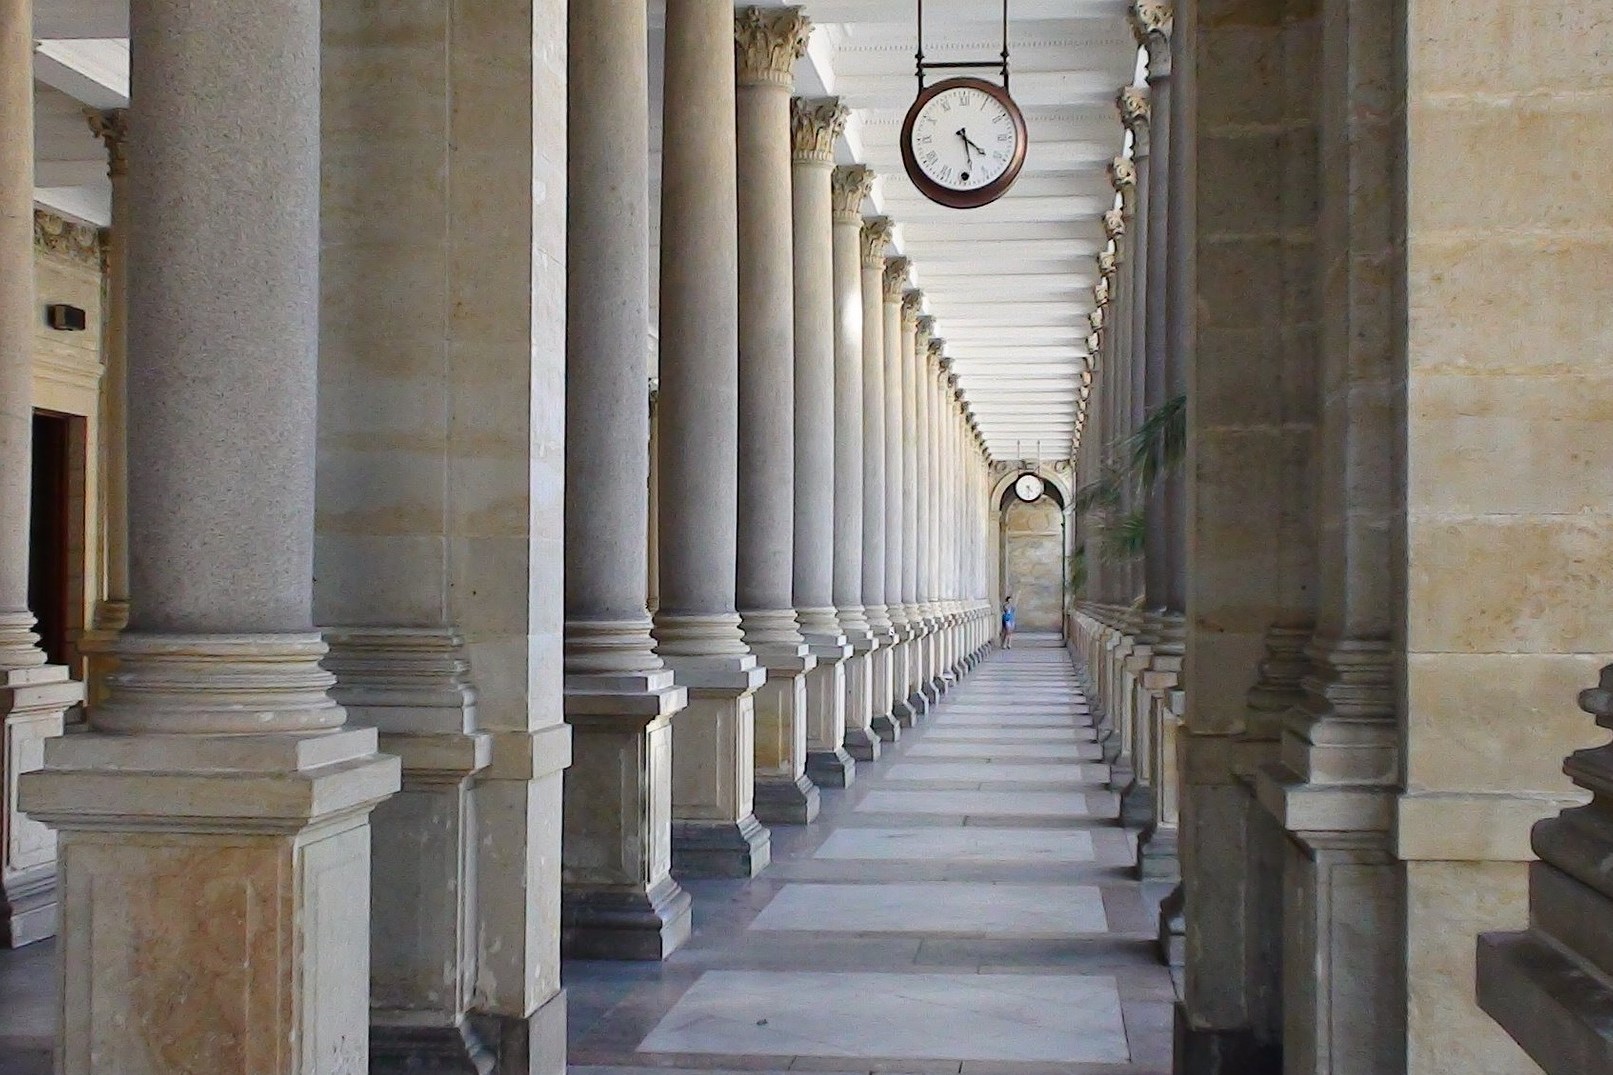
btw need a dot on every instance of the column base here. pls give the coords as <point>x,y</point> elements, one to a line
<point>740,848</point>
<point>831,768</point>
<point>1121,773</point>
<point>33,702</point>
<point>1170,940</point>
<point>888,726</point>
<point>1157,856</point>
<point>786,800</point>
<point>605,923</point>
<point>916,705</point>
<point>1137,809</point>
<point>862,744</point>
<point>412,1050</point>
<point>1203,1051</point>
<point>528,1045</point>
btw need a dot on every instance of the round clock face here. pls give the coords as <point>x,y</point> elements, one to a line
<point>1028,488</point>
<point>963,142</point>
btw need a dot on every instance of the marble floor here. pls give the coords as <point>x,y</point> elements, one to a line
<point>966,906</point>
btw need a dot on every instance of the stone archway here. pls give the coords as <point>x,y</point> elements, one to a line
<point>1033,542</point>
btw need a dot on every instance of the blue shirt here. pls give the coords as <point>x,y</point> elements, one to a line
<point>1008,616</point>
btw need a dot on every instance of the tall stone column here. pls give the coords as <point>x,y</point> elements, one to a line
<point>910,439</point>
<point>619,900</point>
<point>697,631</point>
<point>111,126</point>
<point>863,739</point>
<point>904,564</point>
<point>33,694</point>
<point>814,126</point>
<point>1138,298</point>
<point>438,561</point>
<point>849,185</point>
<point>923,443</point>
<point>215,821</point>
<point>766,45</point>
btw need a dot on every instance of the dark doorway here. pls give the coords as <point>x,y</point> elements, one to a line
<point>50,567</point>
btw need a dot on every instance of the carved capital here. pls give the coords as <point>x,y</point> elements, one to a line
<point>926,325</point>
<point>1094,344</point>
<point>68,239</point>
<point>1122,174</point>
<point>111,126</point>
<point>1107,262</point>
<point>1114,225</point>
<point>1095,319</point>
<point>938,349</point>
<point>849,185</point>
<point>767,42</point>
<point>815,123</point>
<point>1151,23</point>
<point>876,238</point>
<point>1133,105</point>
<point>1100,291</point>
<point>896,273</point>
<point>912,302</point>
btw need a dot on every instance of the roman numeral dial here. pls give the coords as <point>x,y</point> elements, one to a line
<point>963,142</point>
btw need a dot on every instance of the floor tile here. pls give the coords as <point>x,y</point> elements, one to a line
<point>936,907</point>
<point>1052,1018</point>
<point>986,772</point>
<point>976,803</point>
<point>1029,751</point>
<point>1018,846</point>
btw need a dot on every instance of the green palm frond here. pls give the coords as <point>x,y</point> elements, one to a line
<point>1158,445</point>
<point>1126,538</point>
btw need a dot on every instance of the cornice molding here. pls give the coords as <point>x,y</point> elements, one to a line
<point>68,239</point>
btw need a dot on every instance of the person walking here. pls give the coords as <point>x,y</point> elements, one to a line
<point>1008,622</point>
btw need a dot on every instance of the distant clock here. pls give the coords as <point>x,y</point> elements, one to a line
<point>963,142</point>
<point>1028,488</point>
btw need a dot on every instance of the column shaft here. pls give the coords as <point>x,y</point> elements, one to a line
<point>848,187</point>
<point>767,44</point>
<point>619,899</point>
<point>221,433</point>
<point>715,830</point>
<point>862,737</point>
<point>898,599</point>
<point>814,126</point>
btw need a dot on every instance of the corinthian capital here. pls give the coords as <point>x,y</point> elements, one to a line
<point>1150,22</point>
<point>1132,103</point>
<point>938,351</point>
<point>1095,319</point>
<point>849,184</point>
<point>1107,262</point>
<point>926,326</point>
<point>815,123</point>
<point>1122,174</point>
<point>111,126</point>
<point>897,271</point>
<point>1114,225</point>
<point>1100,291</point>
<point>876,237</point>
<point>912,301</point>
<point>1094,342</point>
<point>767,42</point>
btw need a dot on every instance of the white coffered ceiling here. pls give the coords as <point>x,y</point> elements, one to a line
<point>1009,284</point>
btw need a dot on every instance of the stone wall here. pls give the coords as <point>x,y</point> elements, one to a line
<point>1033,562</point>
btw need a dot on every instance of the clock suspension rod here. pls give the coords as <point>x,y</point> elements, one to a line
<point>999,65</point>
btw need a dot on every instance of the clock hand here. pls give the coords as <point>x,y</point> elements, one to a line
<point>964,131</point>
<point>967,146</point>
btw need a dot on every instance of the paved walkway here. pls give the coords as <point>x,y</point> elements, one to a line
<point>966,906</point>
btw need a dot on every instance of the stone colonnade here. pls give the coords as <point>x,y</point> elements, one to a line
<point>1356,567</point>
<point>388,516</point>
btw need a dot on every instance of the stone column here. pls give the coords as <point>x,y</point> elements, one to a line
<point>438,558</point>
<point>912,437</point>
<point>814,126</point>
<point>766,45</point>
<point>863,739</point>
<point>619,900</point>
<point>33,694</point>
<point>848,187</point>
<point>112,611</point>
<point>215,821</point>
<point>919,455</point>
<point>896,711</point>
<point>697,631</point>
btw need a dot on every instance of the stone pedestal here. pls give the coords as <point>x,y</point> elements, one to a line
<point>619,899</point>
<point>32,701</point>
<point>715,831</point>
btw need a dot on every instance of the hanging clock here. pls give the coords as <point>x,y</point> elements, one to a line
<point>1028,487</point>
<point>963,142</point>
